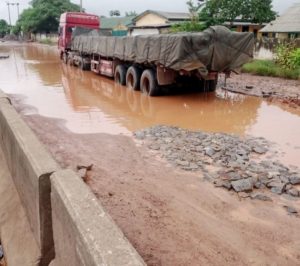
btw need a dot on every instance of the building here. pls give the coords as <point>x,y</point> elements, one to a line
<point>116,26</point>
<point>285,26</point>
<point>240,25</point>
<point>155,22</point>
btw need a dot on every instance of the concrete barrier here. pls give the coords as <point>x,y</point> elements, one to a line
<point>84,234</point>
<point>37,225</point>
<point>16,236</point>
<point>30,166</point>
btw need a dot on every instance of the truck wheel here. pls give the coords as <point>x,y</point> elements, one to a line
<point>149,84</point>
<point>82,65</point>
<point>209,85</point>
<point>120,75</point>
<point>65,58</point>
<point>133,78</point>
<point>70,61</point>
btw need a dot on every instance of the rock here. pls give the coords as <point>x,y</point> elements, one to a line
<point>155,147</point>
<point>208,160</point>
<point>222,183</point>
<point>233,176</point>
<point>273,174</point>
<point>288,186</point>
<point>244,195</point>
<point>216,148</point>
<point>290,209</point>
<point>259,150</point>
<point>209,151</point>
<point>294,192</point>
<point>277,190</point>
<point>276,187</point>
<point>191,167</point>
<point>295,180</point>
<point>242,185</point>
<point>230,156</point>
<point>261,197</point>
<point>284,179</point>
<point>140,135</point>
<point>182,163</point>
<point>234,164</point>
<point>194,166</point>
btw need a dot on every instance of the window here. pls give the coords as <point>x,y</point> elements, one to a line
<point>245,29</point>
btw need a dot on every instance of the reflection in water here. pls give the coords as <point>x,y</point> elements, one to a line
<point>134,110</point>
<point>90,103</point>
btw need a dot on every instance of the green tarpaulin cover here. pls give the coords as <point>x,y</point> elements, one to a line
<point>215,49</point>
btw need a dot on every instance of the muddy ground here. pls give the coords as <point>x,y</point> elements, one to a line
<point>274,89</point>
<point>173,217</point>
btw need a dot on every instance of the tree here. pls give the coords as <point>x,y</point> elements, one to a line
<point>219,11</point>
<point>130,14</point>
<point>260,11</point>
<point>114,13</point>
<point>44,15</point>
<point>4,28</point>
<point>194,25</point>
<point>194,8</point>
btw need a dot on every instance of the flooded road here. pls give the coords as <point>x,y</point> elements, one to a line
<point>89,103</point>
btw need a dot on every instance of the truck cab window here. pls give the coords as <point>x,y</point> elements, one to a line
<point>70,29</point>
<point>60,30</point>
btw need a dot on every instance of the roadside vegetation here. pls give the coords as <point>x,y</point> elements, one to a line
<point>206,13</point>
<point>286,63</point>
<point>47,41</point>
<point>4,28</point>
<point>271,69</point>
<point>43,16</point>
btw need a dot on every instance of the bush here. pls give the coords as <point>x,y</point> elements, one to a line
<point>295,57</point>
<point>288,56</point>
<point>192,26</point>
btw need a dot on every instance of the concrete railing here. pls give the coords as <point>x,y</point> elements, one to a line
<point>84,234</point>
<point>68,223</point>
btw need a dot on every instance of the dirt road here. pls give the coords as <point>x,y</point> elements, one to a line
<point>173,217</point>
<point>275,89</point>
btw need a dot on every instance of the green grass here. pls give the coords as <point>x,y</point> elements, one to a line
<point>46,41</point>
<point>269,68</point>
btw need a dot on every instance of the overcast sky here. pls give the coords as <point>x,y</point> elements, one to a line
<point>102,7</point>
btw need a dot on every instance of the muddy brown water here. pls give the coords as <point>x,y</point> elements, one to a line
<point>89,103</point>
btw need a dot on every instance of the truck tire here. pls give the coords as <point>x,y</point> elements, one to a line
<point>120,75</point>
<point>70,61</point>
<point>65,58</point>
<point>82,65</point>
<point>212,85</point>
<point>133,78</point>
<point>149,84</point>
<point>209,85</point>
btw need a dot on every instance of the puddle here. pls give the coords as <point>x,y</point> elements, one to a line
<point>90,103</point>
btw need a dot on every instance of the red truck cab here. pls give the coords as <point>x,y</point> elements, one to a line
<point>70,20</point>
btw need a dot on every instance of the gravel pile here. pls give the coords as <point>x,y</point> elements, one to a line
<point>227,160</point>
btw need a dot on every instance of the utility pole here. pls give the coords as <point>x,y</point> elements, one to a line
<point>80,5</point>
<point>9,13</point>
<point>18,10</point>
<point>12,4</point>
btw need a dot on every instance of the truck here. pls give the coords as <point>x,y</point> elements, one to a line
<point>151,63</point>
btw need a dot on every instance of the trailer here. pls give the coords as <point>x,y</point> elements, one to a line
<point>151,63</point>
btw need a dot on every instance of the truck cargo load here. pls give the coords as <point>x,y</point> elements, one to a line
<point>215,49</point>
